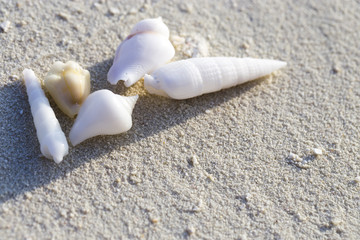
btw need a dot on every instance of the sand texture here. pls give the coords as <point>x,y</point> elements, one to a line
<point>276,158</point>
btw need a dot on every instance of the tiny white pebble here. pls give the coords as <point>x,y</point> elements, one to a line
<point>21,112</point>
<point>188,53</point>
<point>63,16</point>
<point>14,77</point>
<point>210,177</point>
<point>22,23</point>
<point>5,25</point>
<point>181,133</point>
<point>177,40</point>
<point>295,157</point>
<point>245,46</point>
<point>336,221</point>
<point>63,213</point>
<point>133,11</point>
<point>154,220</point>
<point>194,161</point>
<point>190,230</point>
<point>317,151</point>
<point>114,11</point>
<point>186,7</point>
<point>357,179</point>
<point>336,69</point>
<point>5,209</point>
<point>28,195</point>
<point>198,207</point>
<point>97,5</point>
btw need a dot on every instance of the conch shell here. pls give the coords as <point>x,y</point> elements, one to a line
<point>144,50</point>
<point>53,144</point>
<point>69,85</point>
<point>102,113</point>
<point>196,76</point>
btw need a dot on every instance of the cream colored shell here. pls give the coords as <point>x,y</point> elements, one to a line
<point>69,85</point>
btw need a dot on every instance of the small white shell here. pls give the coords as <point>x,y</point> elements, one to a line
<point>196,76</point>
<point>53,144</point>
<point>69,85</point>
<point>144,50</point>
<point>102,113</point>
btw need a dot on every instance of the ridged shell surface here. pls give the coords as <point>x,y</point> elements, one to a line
<point>53,144</point>
<point>102,113</point>
<point>144,50</point>
<point>196,76</point>
<point>69,85</point>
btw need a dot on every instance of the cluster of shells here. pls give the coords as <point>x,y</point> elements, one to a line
<point>144,53</point>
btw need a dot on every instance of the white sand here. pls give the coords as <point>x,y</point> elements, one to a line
<point>145,184</point>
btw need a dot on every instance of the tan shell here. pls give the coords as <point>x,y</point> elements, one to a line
<point>69,85</point>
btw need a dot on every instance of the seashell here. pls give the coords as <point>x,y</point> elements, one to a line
<point>69,85</point>
<point>144,50</point>
<point>196,76</point>
<point>102,113</point>
<point>53,144</point>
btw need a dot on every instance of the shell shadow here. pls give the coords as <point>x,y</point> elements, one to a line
<point>23,170</point>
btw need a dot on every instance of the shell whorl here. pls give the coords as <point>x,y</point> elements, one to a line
<point>155,25</point>
<point>194,77</point>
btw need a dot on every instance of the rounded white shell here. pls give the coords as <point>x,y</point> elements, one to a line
<point>151,25</point>
<point>196,76</point>
<point>102,113</point>
<point>53,144</point>
<point>144,50</point>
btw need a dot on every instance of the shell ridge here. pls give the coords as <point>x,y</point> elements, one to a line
<point>48,129</point>
<point>193,77</point>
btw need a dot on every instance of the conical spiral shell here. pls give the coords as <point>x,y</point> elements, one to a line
<point>53,144</point>
<point>144,50</point>
<point>196,76</point>
<point>102,113</point>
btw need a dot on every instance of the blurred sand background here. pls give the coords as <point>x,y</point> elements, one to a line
<point>236,164</point>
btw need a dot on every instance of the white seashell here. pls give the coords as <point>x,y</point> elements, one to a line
<point>69,85</point>
<point>196,76</point>
<point>144,50</point>
<point>53,144</point>
<point>102,113</point>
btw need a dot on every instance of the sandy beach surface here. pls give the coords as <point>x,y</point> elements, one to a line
<point>276,158</point>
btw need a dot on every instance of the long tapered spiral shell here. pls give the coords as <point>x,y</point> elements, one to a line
<point>144,50</point>
<point>69,85</point>
<point>196,76</point>
<point>53,144</point>
<point>102,113</point>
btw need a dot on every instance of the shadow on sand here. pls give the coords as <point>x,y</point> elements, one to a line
<point>23,169</point>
